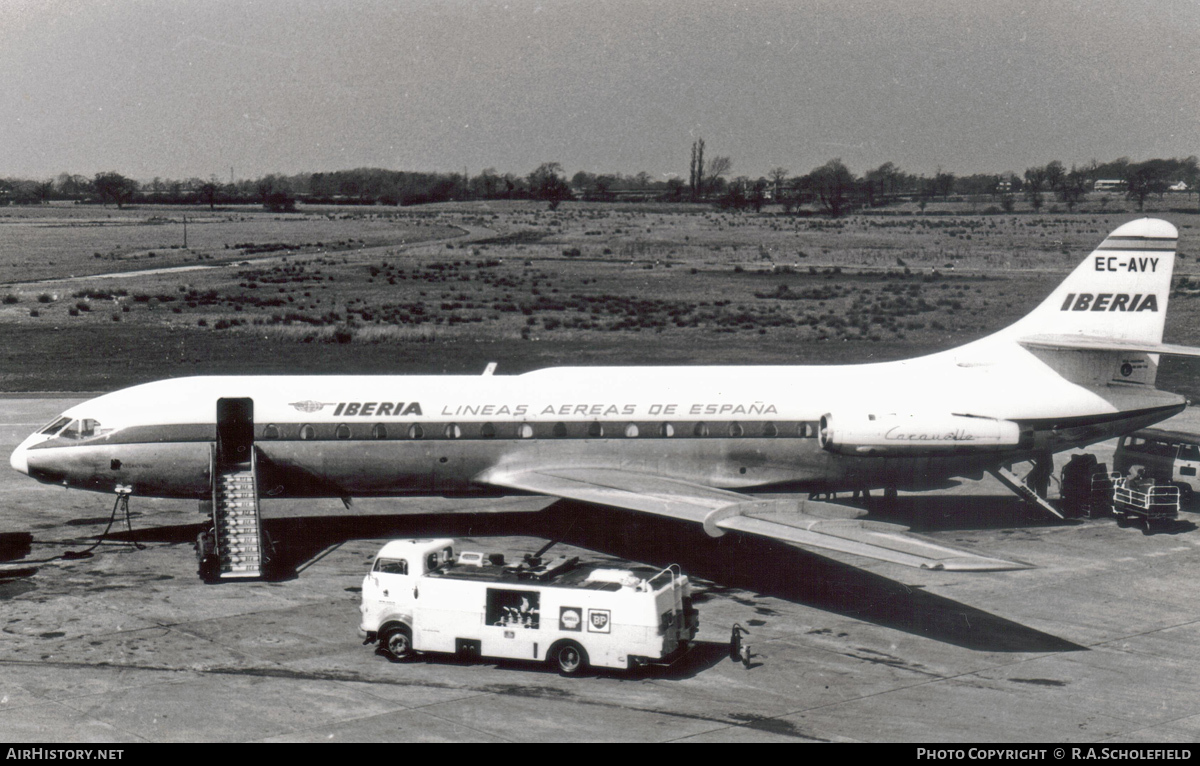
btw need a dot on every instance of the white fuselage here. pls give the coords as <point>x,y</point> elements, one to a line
<point>729,427</point>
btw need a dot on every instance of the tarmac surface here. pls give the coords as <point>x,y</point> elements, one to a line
<point>1094,644</point>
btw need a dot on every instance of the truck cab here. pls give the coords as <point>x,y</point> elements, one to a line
<point>391,587</point>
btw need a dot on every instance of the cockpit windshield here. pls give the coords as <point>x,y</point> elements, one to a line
<point>55,427</point>
<point>75,428</point>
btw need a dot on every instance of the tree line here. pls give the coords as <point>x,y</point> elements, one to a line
<point>831,188</point>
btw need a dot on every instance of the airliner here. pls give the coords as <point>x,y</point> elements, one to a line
<point>702,444</point>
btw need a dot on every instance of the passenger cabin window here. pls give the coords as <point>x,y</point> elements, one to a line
<point>270,431</point>
<point>487,431</point>
<point>666,430</point>
<point>735,429</point>
<point>307,432</point>
<point>379,431</point>
<point>701,429</point>
<point>415,432</point>
<point>560,430</point>
<point>342,431</point>
<point>769,429</point>
<point>453,431</point>
<point>525,431</point>
<point>595,429</point>
<point>631,430</point>
<point>391,566</point>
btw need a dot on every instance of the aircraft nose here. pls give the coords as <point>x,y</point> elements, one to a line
<point>19,459</point>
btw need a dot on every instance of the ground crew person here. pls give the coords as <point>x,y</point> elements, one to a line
<point>735,642</point>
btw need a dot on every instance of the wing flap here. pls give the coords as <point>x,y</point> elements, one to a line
<point>804,522</point>
<point>871,539</point>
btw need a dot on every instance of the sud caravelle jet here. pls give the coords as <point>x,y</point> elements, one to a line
<point>691,443</point>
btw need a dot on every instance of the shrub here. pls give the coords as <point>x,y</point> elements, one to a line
<point>11,299</point>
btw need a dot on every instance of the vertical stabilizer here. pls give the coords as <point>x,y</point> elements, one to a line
<point>1119,292</point>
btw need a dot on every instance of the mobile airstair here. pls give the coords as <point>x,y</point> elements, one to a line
<point>234,548</point>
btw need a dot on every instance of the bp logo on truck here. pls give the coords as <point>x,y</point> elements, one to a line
<point>570,618</point>
<point>598,621</point>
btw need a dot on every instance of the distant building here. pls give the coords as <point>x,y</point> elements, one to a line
<point>1179,187</point>
<point>1109,184</point>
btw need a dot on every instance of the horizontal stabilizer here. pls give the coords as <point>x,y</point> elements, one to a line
<point>1086,343</point>
<point>805,522</point>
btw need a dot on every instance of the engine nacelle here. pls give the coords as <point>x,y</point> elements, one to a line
<point>916,436</point>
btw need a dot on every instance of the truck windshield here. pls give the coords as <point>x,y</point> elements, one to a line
<point>391,566</point>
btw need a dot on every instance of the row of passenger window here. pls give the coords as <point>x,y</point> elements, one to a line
<point>592,430</point>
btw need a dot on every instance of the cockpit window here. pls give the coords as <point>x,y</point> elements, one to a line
<point>84,428</point>
<point>56,426</point>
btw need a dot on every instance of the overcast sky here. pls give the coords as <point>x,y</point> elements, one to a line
<point>195,87</point>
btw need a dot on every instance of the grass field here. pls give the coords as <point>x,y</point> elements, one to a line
<point>452,287</point>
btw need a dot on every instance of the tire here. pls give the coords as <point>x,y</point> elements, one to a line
<point>397,641</point>
<point>1122,519</point>
<point>570,658</point>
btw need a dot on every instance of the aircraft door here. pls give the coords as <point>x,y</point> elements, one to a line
<point>235,431</point>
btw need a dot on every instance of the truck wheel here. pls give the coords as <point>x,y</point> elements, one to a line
<point>570,658</point>
<point>1122,519</point>
<point>397,641</point>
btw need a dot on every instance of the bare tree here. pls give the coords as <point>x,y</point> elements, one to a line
<point>208,192</point>
<point>833,183</point>
<point>1035,182</point>
<point>547,183</point>
<point>696,182</point>
<point>778,177</point>
<point>114,187</point>
<point>717,167</point>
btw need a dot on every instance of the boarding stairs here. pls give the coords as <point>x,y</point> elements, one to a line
<point>1023,490</point>
<point>237,526</point>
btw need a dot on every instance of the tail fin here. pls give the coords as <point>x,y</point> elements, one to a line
<point>1119,293</point>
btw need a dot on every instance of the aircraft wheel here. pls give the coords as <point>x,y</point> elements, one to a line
<point>397,641</point>
<point>570,658</point>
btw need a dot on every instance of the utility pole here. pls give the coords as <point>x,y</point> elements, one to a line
<point>185,232</point>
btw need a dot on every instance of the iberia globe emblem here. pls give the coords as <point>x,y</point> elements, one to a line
<point>309,405</point>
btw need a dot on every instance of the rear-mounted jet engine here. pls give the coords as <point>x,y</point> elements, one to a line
<point>914,436</point>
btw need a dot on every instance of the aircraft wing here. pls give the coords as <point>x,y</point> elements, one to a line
<point>808,523</point>
<point>1087,343</point>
